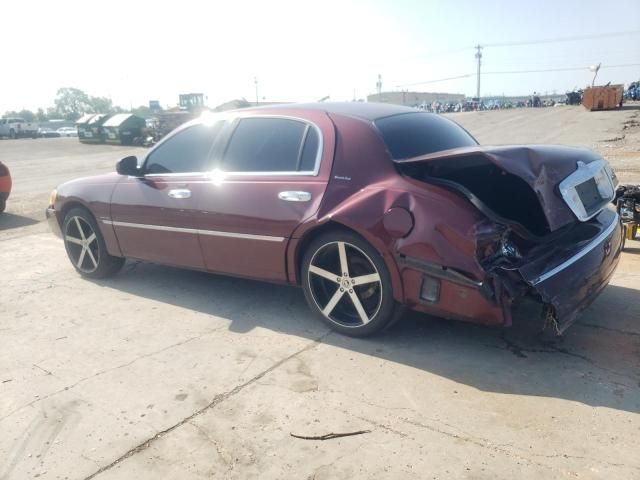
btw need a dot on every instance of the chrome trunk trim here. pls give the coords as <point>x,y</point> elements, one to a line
<point>590,246</point>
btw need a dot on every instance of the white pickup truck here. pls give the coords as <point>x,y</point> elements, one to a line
<point>14,127</point>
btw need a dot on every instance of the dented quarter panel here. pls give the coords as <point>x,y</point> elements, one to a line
<point>357,202</point>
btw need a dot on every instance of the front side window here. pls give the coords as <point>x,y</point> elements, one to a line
<point>187,151</point>
<point>271,145</point>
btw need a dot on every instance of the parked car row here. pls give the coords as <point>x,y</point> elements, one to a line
<point>16,127</point>
<point>633,92</point>
<point>46,132</point>
<point>491,104</point>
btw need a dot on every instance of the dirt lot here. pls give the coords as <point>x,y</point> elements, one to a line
<point>166,374</point>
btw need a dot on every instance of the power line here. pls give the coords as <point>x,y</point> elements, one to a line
<point>432,81</point>
<point>528,42</point>
<point>562,39</point>
<point>622,65</point>
<point>563,69</point>
<point>510,72</point>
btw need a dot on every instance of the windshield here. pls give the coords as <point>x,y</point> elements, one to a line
<point>413,134</point>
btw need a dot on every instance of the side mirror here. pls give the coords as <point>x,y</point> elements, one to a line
<point>128,166</point>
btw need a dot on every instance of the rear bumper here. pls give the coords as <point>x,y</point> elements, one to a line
<point>571,285</point>
<point>52,220</point>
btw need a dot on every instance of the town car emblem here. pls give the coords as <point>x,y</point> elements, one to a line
<point>607,248</point>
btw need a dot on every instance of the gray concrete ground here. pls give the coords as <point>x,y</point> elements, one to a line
<point>160,373</point>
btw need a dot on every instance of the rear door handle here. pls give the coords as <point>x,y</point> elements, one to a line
<point>180,193</point>
<point>295,196</point>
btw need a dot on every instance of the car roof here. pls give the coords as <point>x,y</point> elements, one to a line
<point>367,111</point>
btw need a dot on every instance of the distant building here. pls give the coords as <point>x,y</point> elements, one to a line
<point>415,99</point>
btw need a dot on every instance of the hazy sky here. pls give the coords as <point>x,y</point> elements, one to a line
<point>135,51</point>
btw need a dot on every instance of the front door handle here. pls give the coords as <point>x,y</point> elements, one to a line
<point>180,193</point>
<point>295,196</point>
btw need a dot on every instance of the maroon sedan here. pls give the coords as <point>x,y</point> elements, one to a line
<point>370,208</point>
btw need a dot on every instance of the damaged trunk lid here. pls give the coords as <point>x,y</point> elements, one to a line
<point>537,188</point>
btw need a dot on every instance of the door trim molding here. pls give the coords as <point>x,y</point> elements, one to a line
<point>214,233</point>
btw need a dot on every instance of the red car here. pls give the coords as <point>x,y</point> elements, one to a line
<point>369,207</point>
<point>5,186</point>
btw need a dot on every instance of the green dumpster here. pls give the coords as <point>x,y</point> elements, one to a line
<point>124,129</point>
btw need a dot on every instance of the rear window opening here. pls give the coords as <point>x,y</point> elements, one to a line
<point>410,135</point>
<point>506,195</point>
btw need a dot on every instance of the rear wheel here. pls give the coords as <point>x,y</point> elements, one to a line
<point>85,246</point>
<point>347,283</point>
<point>3,204</point>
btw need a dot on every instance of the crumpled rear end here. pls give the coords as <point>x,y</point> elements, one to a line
<point>570,277</point>
<point>547,233</point>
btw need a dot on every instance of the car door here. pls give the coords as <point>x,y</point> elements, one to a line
<point>271,176</point>
<point>155,216</point>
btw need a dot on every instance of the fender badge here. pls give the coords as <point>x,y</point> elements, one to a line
<point>338,177</point>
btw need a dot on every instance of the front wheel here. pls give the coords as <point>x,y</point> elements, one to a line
<point>347,283</point>
<point>85,246</point>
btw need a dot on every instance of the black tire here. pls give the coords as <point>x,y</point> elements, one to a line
<point>3,205</point>
<point>338,299</point>
<point>88,254</point>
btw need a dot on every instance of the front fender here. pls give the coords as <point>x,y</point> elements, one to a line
<point>94,194</point>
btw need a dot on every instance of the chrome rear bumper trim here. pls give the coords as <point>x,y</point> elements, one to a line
<point>590,246</point>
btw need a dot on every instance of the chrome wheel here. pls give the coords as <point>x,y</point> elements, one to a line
<point>82,244</point>
<point>345,284</point>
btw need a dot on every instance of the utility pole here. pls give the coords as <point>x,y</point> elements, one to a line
<point>255,80</point>
<point>379,85</point>
<point>478,57</point>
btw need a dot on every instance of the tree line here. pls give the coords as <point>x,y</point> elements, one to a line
<point>70,104</point>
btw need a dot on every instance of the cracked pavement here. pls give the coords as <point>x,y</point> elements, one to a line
<point>165,373</point>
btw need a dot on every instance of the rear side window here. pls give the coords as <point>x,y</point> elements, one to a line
<point>412,134</point>
<point>271,145</point>
<point>187,151</point>
<point>310,150</point>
